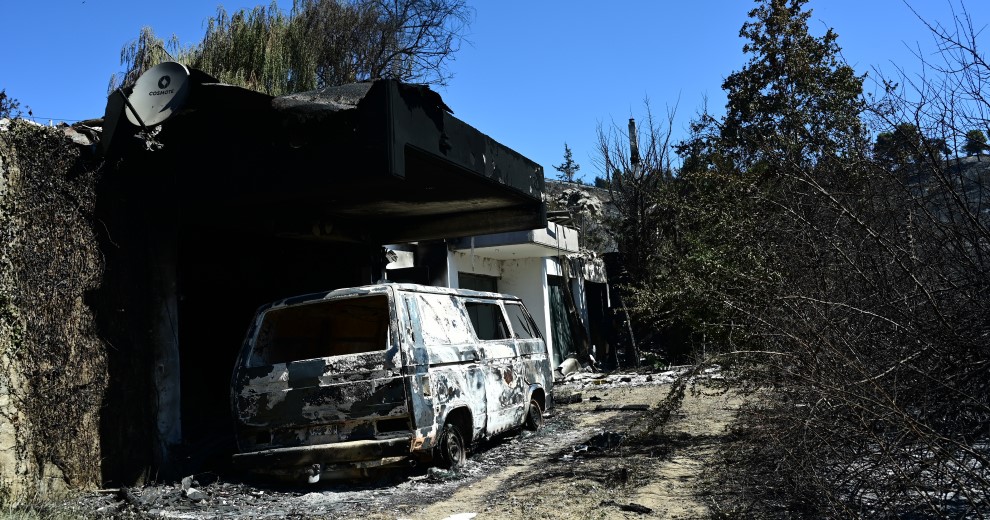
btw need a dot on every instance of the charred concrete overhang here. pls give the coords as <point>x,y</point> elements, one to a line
<point>376,162</point>
<point>552,240</point>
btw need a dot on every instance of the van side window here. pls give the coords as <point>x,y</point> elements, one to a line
<point>522,324</point>
<point>487,320</point>
<point>322,329</point>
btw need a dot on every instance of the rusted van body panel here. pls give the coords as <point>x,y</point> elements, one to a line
<point>370,376</point>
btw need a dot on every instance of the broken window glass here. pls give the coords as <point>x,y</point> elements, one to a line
<point>522,324</point>
<point>322,329</point>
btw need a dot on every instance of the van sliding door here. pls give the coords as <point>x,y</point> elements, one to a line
<point>505,391</point>
<point>447,376</point>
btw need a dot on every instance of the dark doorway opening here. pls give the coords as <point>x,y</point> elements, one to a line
<point>560,323</point>
<point>223,279</point>
<point>600,324</point>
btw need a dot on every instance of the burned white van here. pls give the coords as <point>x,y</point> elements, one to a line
<point>329,383</point>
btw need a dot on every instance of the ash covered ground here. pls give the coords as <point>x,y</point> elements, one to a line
<point>488,485</point>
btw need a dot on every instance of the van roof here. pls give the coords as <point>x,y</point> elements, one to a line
<point>381,288</point>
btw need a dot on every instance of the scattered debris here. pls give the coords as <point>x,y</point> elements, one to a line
<point>128,497</point>
<point>568,367</point>
<point>622,408</point>
<point>601,442</point>
<point>622,475</point>
<point>567,398</point>
<point>436,474</point>
<point>82,135</point>
<point>585,379</point>
<point>606,440</point>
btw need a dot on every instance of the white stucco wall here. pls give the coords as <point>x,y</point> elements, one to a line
<point>458,262</point>
<point>527,279</point>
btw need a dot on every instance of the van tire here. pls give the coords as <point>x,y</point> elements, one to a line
<point>451,451</point>
<point>534,417</point>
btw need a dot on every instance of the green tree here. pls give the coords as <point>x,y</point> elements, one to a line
<point>144,52</point>
<point>794,103</point>
<point>260,49</point>
<point>897,146</point>
<point>9,107</point>
<point>845,289</point>
<point>792,121</point>
<point>316,44</point>
<point>568,169</point>
<point>976,142</point>
<point>905,144</point>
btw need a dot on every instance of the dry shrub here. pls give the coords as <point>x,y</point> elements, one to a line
<point>870,350</point>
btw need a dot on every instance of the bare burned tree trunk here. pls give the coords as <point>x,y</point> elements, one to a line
<point>639,170</point>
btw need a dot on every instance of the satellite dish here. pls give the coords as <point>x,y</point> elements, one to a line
<point>158,93</point>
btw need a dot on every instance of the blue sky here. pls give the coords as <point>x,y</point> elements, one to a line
<point>536,73</point>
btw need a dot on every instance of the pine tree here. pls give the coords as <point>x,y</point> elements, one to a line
<point>792,119</point>
<point>568,169</point>
<point>976,142</point>
<point>794,103</point>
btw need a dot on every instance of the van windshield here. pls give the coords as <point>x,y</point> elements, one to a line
<point>322,329</point>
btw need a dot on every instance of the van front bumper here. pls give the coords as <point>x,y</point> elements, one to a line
<point>310,461</point>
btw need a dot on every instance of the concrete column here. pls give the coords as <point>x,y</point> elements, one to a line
<point>165,338</point>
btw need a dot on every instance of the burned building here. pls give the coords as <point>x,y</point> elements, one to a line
<point>218,199</point>
<point>238,199</point>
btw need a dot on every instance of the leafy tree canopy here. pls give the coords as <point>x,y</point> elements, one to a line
<point>317,44</point>
<point>794,102</point>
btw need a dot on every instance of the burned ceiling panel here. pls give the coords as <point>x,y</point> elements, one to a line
<point>372,162</point>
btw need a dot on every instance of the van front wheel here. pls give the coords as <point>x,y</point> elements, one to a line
<point>451,451</point>
<point>534,419</point>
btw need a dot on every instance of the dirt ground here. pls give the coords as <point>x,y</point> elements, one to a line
<point>579,465</point>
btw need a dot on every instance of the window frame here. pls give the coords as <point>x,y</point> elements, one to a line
<point>538,334</point>
<point>507,329</point>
